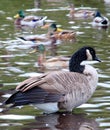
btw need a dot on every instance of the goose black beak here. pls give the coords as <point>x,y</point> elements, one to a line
<point>97,59</point>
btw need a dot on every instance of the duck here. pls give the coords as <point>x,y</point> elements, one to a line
<point>80,13</point>
<point>45,39</point>
<point>32,39</point>
<point>39,39</point>
<point>54,63</point>
<point>58,91</point>
<point>100,21</point>
<point>29,21</point>
<point>59,33</point>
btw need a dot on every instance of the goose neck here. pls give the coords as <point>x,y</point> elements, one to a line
<point>75,65</point>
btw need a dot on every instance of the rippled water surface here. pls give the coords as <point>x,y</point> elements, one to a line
<point>17,64</point>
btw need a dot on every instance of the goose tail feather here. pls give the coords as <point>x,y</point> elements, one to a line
<point>35,95</point>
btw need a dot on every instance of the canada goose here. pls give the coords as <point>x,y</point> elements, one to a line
<point>100,21</point>
<point>59,90</point>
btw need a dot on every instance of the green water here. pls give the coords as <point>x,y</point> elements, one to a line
<point>16,64</point>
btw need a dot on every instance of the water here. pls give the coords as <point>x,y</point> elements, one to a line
<point>16,64</point>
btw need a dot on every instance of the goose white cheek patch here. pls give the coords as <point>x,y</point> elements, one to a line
<point>89,56</point>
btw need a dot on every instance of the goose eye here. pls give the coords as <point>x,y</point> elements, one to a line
<point>92,53</point>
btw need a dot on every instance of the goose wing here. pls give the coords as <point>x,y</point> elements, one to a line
<point>36,95</point>
<point>58,81</point>
<point>50,87</point>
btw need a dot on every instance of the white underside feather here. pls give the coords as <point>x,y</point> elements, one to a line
<point>48,107</point>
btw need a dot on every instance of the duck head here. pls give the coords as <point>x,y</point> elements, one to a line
<point>52,27</point>
<point>39,48</point>
<point>20,14</point>
<point>97,14</point>
<point>55,28</point>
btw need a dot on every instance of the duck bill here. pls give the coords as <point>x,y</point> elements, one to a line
<point>16,16</point>
<point>33,51</point>
<point>59,30</point>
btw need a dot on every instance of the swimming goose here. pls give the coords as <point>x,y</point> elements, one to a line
<point>29,21</point>
<point>59,90</point>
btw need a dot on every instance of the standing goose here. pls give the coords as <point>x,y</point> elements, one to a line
<point>59,90</point>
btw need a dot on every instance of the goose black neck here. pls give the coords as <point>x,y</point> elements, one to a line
<point>75,62</point>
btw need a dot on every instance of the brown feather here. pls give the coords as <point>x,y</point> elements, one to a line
<point>75,87</point>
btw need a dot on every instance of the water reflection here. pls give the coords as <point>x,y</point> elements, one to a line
<point>62,122</point>
<point>37,3</point>
<point>100,33</point>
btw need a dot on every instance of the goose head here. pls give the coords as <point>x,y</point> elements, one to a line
<point>85,53</point>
